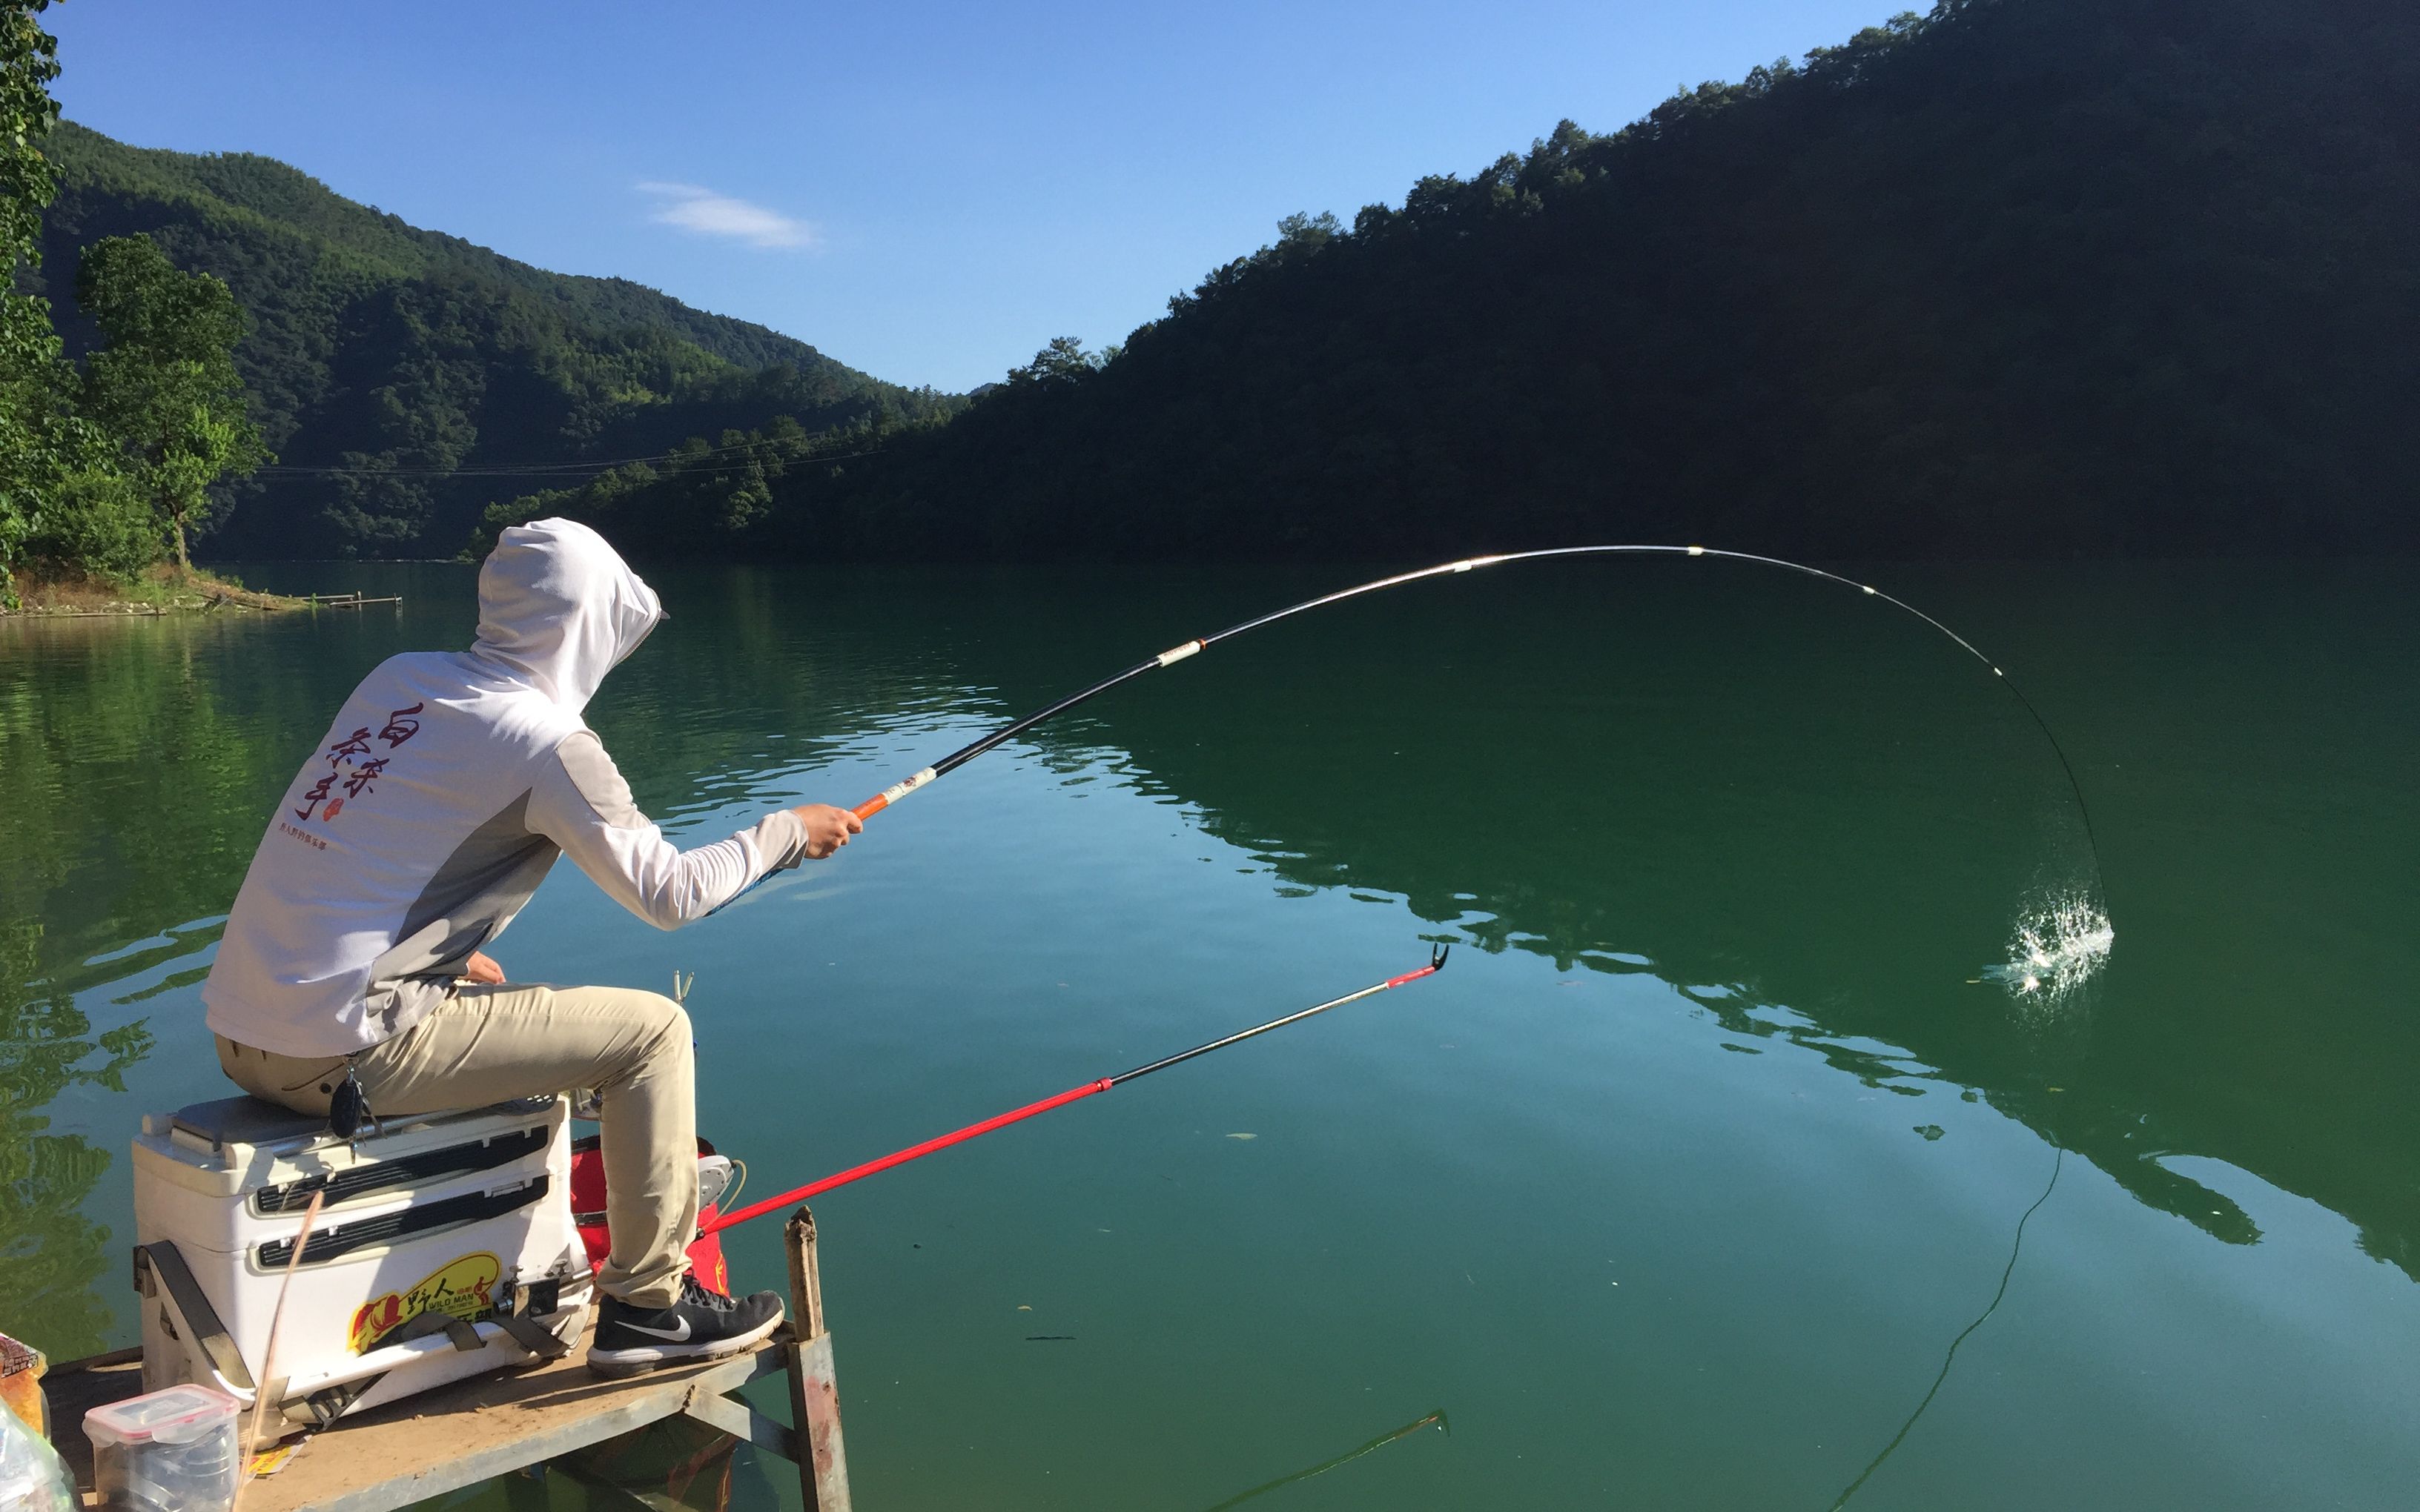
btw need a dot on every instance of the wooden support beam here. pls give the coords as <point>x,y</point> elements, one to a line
<point>731,1415</point>
<point>806,1277</point>
<point>814,1387</point>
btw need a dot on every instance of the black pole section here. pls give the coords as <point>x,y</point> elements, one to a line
<point>1091,1089</point>
<point>1436,964</point>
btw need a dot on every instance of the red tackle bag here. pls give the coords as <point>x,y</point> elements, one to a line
<point>705,1260</point>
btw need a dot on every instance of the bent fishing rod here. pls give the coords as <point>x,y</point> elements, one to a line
<point>1195,647</point>
<point>972,1131</point>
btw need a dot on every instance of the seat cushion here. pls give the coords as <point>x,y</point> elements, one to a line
<point>249,1121</point>
<point>246,1120</point>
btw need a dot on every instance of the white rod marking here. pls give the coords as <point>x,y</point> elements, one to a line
<point>897,790</point>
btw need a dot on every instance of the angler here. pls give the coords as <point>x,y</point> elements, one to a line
<point>352,976</point>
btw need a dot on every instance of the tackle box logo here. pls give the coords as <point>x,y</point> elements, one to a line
<point>460,1287</point>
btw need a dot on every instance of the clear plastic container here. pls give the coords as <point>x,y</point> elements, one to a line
<point>166,1451</point>
<point>31,1479</point>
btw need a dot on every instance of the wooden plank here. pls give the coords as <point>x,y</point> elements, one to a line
<point>457,1436</point>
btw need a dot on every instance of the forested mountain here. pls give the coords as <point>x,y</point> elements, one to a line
<point>2021,277</point>
<point>419,361</point>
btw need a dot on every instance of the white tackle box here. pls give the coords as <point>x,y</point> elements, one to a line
<point>444,1247</point>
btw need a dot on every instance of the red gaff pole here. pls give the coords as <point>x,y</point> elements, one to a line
<point>901,1157</point>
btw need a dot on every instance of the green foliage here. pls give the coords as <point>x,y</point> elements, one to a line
<point>29,60</point>
<point>2015,278</point>
<point>164,394</point>
<point>165,385</point>
<point>30,385</point>
<point>399,372</point>
<point>1064,361</point>
<point>99,522</point>
<point>711,500</point>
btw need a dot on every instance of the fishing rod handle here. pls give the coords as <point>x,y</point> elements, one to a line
<point>893,793</point>
<point>897,790</point>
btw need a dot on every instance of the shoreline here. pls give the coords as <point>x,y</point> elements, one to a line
<point>157,594</point>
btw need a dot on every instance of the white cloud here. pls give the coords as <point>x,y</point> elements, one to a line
<point>695,208</point>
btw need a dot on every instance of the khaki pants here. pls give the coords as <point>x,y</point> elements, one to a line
<point>490,1044</point>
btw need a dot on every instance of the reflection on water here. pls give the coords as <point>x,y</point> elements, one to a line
<point>54,1250</point>
<point>118,762</point>
<point>1551,1189</point>
<point>676,1465</point>
<point>1836,828</point>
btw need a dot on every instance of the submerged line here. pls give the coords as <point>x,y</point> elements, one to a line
<point>1376,1444</point>
<point>2057,1161</point>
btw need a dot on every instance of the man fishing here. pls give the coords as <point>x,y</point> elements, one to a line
<point>350,978</point>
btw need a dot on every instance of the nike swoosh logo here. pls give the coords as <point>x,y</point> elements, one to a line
<point>675,1334</point>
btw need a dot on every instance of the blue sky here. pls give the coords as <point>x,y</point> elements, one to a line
<point>925,191</point>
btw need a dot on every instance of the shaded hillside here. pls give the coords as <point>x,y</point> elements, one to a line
<point>405,354</point>
<point>2023,277</point>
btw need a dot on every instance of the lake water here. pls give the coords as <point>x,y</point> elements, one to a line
<point>1718,1169</point>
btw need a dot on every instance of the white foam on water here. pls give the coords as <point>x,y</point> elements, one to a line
<point>2056,950</point>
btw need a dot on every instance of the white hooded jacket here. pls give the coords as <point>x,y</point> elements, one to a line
<point>438,801</point>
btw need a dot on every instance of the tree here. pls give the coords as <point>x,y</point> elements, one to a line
<point>402,369</point>
<point>1303,233</point>
<point>30,387</point>
<point>1064,361</point>
<point>165,385</point>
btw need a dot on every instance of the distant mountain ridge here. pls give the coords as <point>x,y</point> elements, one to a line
<point>417,360</point>
<point>2016,278</point>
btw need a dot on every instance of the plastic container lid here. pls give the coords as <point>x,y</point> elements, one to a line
<point>174,1414</point>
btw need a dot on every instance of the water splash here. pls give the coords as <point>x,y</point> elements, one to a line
<point>2056,950</point>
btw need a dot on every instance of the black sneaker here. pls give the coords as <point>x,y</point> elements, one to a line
<point>701,1325</point>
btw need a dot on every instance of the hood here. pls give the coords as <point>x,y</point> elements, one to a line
<point>561,608</point>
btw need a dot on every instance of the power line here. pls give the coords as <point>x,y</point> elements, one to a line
<point>545,470</point>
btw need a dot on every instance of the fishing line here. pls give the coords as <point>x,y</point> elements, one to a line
<point>972,1131</point>
<point>1393,1435</point>
<point>1192,648</point>
<point>2058,1164</point>
<point>542,469</point>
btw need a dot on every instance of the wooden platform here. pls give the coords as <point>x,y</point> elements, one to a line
<point>445,1440</point>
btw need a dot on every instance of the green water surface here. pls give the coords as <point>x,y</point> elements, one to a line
<point>1685,1185</point>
